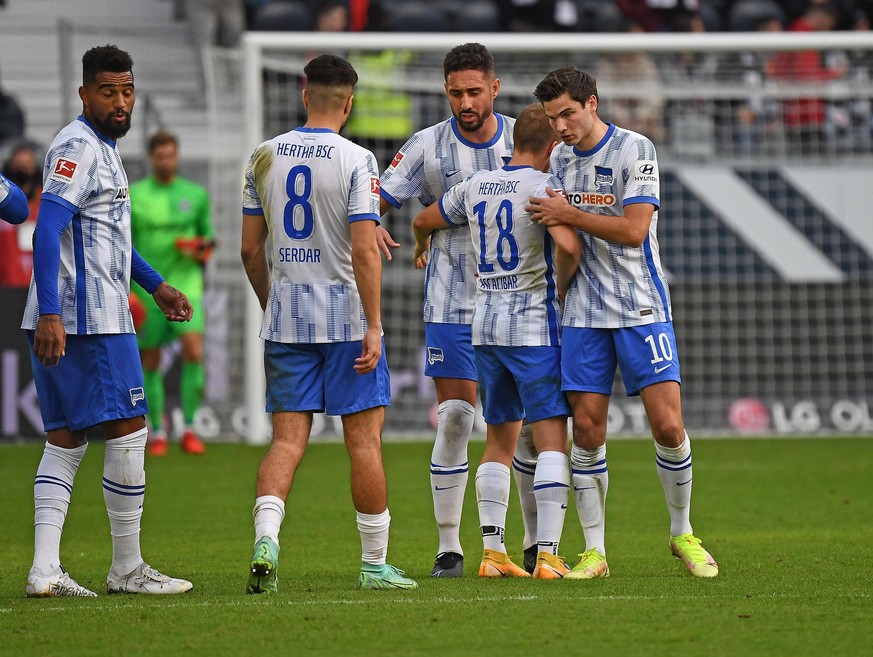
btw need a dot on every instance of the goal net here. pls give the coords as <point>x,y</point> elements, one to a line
<point>766,233</point>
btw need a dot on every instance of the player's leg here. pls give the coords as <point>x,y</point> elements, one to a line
<point>650,367</point>
<point>492,498</point>
<point>524,464</point>
<point>295,390</point>
<point>450,363</point>
<point>191,388</point>
<point>153,383</point>
<point>62,404</point>
<point>361,401</point>
<point>52,490</point>
<point>588,363</point>
<point>154,332</point>
<point>275,477</point>
<point>537,374</point>
<point>503,412</point>
<point>117,364</point>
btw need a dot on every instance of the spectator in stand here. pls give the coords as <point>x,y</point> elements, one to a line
<point>217,22</point>
<point>332,16</point>
<point>660,15</point>
<point>748,124</point>
<point>11,119</point>
<point>640,110</point>
<point>16,242</point>
<point>805,118</point>
<point>526,15</point>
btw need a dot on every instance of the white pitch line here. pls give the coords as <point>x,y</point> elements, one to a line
<point>255,603</point>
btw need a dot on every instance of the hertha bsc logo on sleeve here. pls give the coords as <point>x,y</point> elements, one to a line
<point>374,186</point>
<point>64,170</point>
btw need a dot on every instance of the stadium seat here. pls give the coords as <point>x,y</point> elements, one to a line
<point>597,16</point>
<point>745,15</point>
<point>284,16</point>
<point>475,16</point>
<point>418,17</point>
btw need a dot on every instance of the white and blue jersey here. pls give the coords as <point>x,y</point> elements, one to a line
<point>83,173</point>
<point>516,296</point>
<point>617,286</point>
<point>426,166</point>
<point>310,184</point>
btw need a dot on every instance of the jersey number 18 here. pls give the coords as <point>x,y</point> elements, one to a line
<point>505,238</point>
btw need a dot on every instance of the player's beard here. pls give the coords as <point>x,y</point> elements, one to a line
<point>475,125</point>
<point>113,130</point>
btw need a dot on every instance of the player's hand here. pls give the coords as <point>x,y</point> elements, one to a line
<point>547,210</point>
<point>420,255</point>
<point>175,305</point>
<point>371,351</point>
<point>385,242</point>
<point>49,340</point>
<point>197,248</point>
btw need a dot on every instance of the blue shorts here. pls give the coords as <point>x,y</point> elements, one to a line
<point>520,382</point>
<point>321,378</point>
<point>99,378</point>
<point>644,354</point>
<point>449,353</point>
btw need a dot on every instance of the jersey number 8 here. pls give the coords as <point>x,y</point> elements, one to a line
<point>300,200</point>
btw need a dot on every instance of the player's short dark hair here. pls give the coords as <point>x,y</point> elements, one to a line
<point>532,132</point>
<point>578,84</point>
<point>162,138</point>
<point>468,57</point>
<point>102,59</point>
<point>330,71</point>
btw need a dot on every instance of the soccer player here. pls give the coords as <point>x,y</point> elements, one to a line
<point>522,269</point>
<point>13,202</point>
<point>617,312</point>
<point>432,160</point>
<point>85,363</point>
<point>313,197</point>
<point>171,229</point>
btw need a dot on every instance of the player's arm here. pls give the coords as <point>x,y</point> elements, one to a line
<point>172,302</point>
<point>13,202</point>
<point>630,228</point>
<point>425,222</point>
<point>568,252</point>
<point>200,248</point>
<point>367,265</point>
<point>383,237</point>
<point>50,338</point>
<point>254,255</point>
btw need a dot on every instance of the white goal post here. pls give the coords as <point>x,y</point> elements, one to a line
<point>762,230</point>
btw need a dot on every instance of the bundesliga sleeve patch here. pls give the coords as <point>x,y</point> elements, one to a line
<point>374,186</point>
<point>396,160</point>
<point>64,170</point>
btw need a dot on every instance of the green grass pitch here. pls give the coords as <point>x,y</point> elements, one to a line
<point>790,522</point>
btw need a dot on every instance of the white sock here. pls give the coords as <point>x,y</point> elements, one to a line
<point>674,471</point>
<point>123,493</point>
<point>449,470</point>
<point>52,489</point>
<point>492,498</point>
<point>551,488</point>
<point>268,514</point>
<point>374,536</point>
<point>524,464</point>
<point>590,483</point>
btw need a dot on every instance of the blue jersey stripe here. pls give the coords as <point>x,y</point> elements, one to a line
<point>659,285</point>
